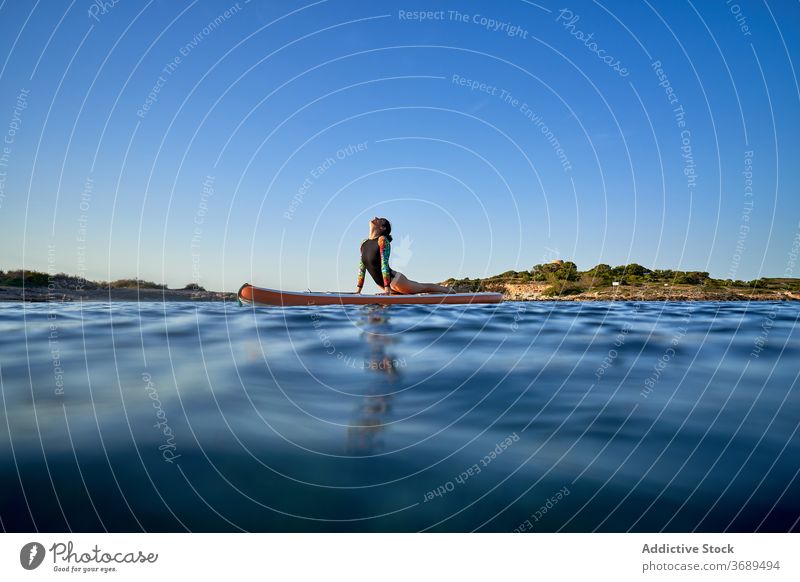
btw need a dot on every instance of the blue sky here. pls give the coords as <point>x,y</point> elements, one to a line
<point>224,142</point>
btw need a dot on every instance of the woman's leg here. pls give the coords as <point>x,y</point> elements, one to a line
<point>402,284</point>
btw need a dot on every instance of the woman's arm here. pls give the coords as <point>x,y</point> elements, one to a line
<point>385,248</point>
<point>361,270</point>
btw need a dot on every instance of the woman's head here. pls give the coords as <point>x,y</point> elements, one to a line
<point>381,227</point>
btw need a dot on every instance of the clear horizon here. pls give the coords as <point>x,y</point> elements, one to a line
<point>218,143</point>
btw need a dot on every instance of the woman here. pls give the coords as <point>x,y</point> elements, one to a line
<point>375,259</point>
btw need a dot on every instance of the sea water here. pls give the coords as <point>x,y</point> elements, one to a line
<point>514,417</point>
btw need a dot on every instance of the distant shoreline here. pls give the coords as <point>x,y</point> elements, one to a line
<point>36,287</point>
<point>556,281</point>
<point>562,281</point>
<point>684,293</point>
<point>44,294</point>
<point>511,292</point>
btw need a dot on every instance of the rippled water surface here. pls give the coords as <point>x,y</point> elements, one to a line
<point>526,416</point>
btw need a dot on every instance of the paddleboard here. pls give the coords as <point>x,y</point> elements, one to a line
<point>251,295</point>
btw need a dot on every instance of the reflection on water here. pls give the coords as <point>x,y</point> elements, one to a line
<point>363,435</point>
<point>214,417</point>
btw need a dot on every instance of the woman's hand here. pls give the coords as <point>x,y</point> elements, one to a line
<point>358,290</point>
<point>388,290</point>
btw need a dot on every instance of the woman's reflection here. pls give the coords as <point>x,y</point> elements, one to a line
<point>364,432</point>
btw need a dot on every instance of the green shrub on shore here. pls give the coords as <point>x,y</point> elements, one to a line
<point>20,278</point>
<point>777,283</point>
<point>599,276</point>
<point>135,284</point>
<point>563,288</point>
<point>551,272</point>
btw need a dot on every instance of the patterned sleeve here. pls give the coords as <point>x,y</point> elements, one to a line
<point>361,269</point>
<point>385,247</point>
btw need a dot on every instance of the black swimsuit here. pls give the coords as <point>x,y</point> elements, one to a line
<point>375,259</point>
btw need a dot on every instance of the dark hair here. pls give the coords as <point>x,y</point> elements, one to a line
<point>387,229</point>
